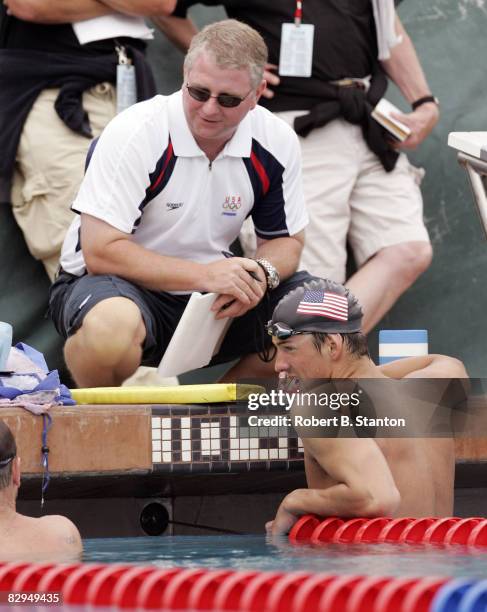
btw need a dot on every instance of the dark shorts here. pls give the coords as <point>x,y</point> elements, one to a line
<point>72,297</point>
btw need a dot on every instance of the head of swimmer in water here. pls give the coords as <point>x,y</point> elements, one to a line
<point>9,462</point>
<point>316,330</point>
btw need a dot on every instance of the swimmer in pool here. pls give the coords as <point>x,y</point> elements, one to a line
<point>317,333</point>
<point>23,537</point>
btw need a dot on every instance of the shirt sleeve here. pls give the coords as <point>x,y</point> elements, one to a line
<point>118,173</point>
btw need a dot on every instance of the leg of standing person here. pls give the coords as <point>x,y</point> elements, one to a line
<point>49,169</point>
<point>387,234</point>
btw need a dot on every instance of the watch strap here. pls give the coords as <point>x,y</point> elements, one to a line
<point>424,100</point>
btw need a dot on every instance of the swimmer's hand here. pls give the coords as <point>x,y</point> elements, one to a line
<point>283,522</point>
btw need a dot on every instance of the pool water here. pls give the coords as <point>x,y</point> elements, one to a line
<point>264,554</point>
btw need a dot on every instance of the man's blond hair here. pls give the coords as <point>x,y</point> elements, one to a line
<point>232,44</point>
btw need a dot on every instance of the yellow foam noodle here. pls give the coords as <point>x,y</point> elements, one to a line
<point>181,394</point>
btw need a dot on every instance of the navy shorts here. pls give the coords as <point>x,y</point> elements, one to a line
<point>71,297</point>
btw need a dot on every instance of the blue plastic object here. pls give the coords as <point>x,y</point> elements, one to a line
<point>398,343</point>
<point>448,597</point>
<point>475,598</point>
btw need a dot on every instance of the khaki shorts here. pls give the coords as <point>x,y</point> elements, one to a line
<point>350,197</point>
<point>49,168</point>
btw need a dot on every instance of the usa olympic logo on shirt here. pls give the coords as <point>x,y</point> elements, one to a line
<point>231,205</point>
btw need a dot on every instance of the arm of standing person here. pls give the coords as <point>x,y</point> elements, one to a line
<point>364,483</point>
<point>404,69</point>
<point>60,11</point>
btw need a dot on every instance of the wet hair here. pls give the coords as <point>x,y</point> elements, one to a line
<point>233,45</point>
<point>8,450</point>
<point>355,343</point>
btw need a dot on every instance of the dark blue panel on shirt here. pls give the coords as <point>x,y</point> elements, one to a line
<point>266,177</point>
<point>158,179</point>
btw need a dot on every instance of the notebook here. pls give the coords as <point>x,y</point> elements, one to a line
<point>382,114</point>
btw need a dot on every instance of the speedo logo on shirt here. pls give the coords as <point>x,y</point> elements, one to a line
<point>173,205</point>
<point>231,205</point>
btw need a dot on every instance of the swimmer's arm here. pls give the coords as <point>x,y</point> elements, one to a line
<point>425,366</point>
<point>364,484</point>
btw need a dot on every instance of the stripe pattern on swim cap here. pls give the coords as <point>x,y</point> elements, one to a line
<point>324,304</point>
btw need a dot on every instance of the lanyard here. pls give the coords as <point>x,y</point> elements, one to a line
<point>298,13</point>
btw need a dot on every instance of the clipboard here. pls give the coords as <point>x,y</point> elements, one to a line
<point>197,337</point>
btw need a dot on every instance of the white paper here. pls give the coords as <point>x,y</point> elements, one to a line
<point>111,26</point>
<point>197,338</point>
<point>296,54</point>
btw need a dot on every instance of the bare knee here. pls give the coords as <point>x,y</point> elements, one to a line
<point>409,259</point>
<point>112,329</point>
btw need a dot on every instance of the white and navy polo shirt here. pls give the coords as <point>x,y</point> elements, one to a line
<point>148,177</point>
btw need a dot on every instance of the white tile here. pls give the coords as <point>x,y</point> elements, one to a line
<point>185,434</point>
<point>186,445</point>
<point>234,443</point>
<point>166,423</point>
<point>185,423</point>
<point>283,453</point>
<point>156,457</point>
<point>254,453</point>
<point>215,433</point>
<point>254,442</point>
<point>186,455</point>
<point>215,445</point>
<point>156,434</point>
<point>166,446</point>
<point>234,455</point>
<point>166,434</point>
<point>233,421</point>
<point>300,443</point>
<point>283,443</point>
<point>233,432</point>
<point>273,453</point>
<point>166,457</point>
<point>244,455</point>
<point>156,421</point>
<point>205,446</point>
<point>156,445</point>
<point>263,453</point>
<point>215,424</point>
<point>205,425</point>
<point>205,433</point>
<point>244,442</point>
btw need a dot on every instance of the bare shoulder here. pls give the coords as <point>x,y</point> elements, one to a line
<point>62,530</point>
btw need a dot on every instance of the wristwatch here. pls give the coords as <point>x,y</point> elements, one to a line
<point>424,100</point>
<point>271,274</point>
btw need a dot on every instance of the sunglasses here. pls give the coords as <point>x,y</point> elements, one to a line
<point>225,100</point>
<point>282,331</point>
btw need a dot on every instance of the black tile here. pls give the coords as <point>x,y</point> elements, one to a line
<point>195,422</point>
<point>176,434</point>
<point>263,442</point>
<point>195,445</point>
<point>278,464</point>
<point>196,456</point>
<point>296,464</point>
<point>225,455</point>
<point>160,411</point>
<point>273,442</point>
<point>180,410</point>
<point>225,422</point>
<point>176,456</point>
<point>225,443</point>
<point>176,423</point>
<point>161,467</point>
<point>238,466</point>
<point>196,434</point>
<point>200,468</point>
<point>224,432</point>
<point>176,445</point>
<point>181,468</point>
<point>219,467</point>
<point>218,410</point>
